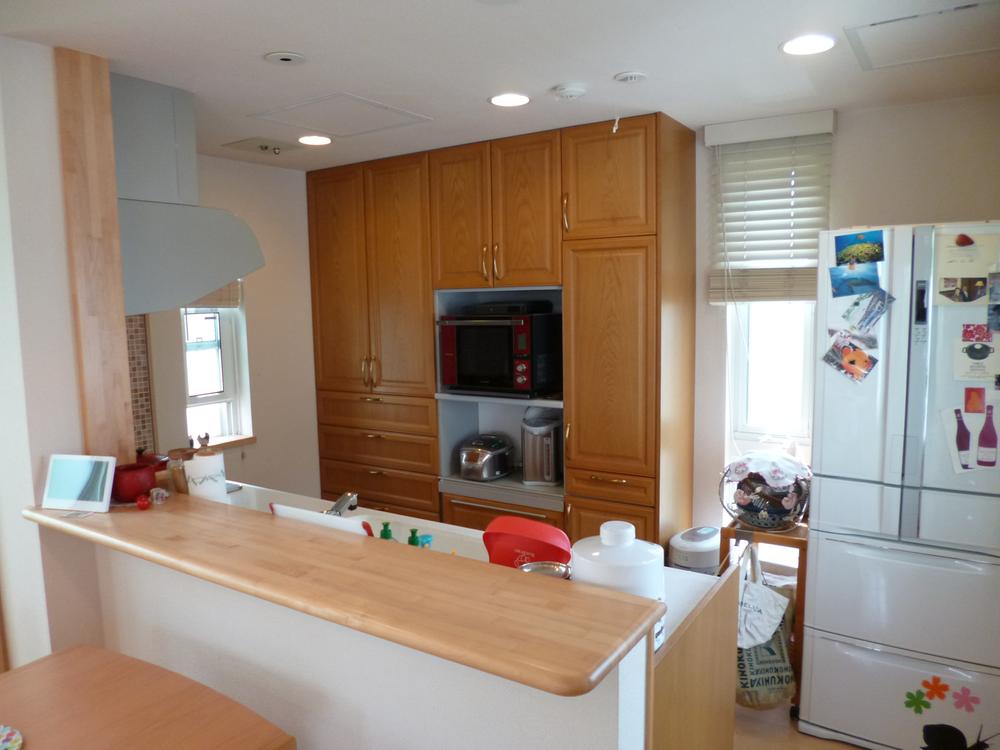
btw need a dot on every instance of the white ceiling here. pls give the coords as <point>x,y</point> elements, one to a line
<point>708,61</point>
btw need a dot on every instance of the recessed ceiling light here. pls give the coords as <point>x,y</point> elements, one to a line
<point>315,140</point>
<point>285,58</point>
<point>808,44</point>
<point>509,100</point>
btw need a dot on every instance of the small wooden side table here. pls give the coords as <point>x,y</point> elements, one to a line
<point>799,539</point>
<point>87,698</point>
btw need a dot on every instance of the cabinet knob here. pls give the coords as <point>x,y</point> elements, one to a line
<point>371,400</point>
<point>376,472</point>
<point>375,436</point>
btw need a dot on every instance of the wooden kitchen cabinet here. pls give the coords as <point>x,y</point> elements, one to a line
<point>610,313</point>
<point>474,513</point>
<point>584,517</point>
<point>610,179</point>
<point>494,211</point>
<point>339,278</point>
<point>461,216</point>
<point>526,233</point>
<point>401,305</point>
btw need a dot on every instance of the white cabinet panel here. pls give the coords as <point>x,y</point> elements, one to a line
<point>924,600</point>
<point>155,141</point>
<point>858,426</point>
<point>854,507</point>
<point>860,690</point>
<point>960,521</point>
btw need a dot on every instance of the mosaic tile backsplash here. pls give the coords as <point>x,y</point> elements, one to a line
<point>138,371</point>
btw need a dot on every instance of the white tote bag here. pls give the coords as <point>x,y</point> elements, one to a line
<point>761,608</point>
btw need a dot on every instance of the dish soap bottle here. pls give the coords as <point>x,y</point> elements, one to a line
<point>386,532</point>
<point>414,540</point>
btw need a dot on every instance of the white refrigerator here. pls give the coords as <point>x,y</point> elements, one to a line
<point>902,625</point>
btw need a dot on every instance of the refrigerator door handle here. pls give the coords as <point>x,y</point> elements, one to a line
<point>921,318</point>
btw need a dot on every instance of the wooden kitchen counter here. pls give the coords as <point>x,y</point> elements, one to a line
<point>560,637</point>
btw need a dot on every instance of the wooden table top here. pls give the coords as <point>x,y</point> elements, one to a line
<point>554,635</point>
<point>87,698</point>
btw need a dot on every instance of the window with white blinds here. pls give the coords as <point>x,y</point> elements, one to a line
<point>772,200</point>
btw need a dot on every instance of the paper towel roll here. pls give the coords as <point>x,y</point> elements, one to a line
<point>206,476</point>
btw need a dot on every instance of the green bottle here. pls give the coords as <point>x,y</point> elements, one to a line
<point>414,540</point>
<point>386,532</point>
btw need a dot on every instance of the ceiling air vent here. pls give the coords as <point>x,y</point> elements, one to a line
<point>962,30</point>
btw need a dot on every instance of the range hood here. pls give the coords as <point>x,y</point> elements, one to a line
<point>173,250</point>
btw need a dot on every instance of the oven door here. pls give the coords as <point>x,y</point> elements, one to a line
<point>477,354</point>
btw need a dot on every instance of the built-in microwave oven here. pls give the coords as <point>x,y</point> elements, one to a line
<point>504,349</point>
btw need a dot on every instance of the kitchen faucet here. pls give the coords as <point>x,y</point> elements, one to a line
<point>347,501</point>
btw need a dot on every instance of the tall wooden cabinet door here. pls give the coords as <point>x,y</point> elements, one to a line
<point>609,354</point>
<point>609,179</point>
<point>584,517</point>
<point>339,277</point>
<point>526,233</point>
<point>461,232</point>
<point>401,305</point>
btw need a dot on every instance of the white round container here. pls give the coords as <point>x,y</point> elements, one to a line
<point>617,560</point>
<point>696,549</point>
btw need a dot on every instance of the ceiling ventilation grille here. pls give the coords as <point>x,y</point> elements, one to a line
<point>962,30</point>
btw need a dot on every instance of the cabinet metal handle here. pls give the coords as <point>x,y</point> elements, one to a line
<point>596,478</point>
<point>375,436</point>
<point>565,211</point>
<point>496,269</point>
<point>569,508</point>
<point>503,510</point>
<point>566,439</point>
<point>371,400</point>
<point>376,472</point>
<point>482,263</point>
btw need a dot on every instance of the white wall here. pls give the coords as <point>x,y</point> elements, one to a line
<point>917,163</point>
<point>45,582</point>
<point>279,331</point>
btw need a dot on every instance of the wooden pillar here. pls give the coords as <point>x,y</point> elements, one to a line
<point>90,196</point>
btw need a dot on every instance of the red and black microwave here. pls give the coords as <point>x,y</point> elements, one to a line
<point>502,349</point>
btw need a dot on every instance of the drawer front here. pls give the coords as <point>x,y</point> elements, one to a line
<point>474,513</point>
<point>861,690</point>
<point>389,413</point>
<point>584,517</point>
<point>604,485</point>
<point>380,485</point>
<point>390,449</point>
<point>931,601</point>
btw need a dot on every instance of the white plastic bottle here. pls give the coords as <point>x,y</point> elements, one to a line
<point>617,560</point>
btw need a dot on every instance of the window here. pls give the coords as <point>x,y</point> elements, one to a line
<point>770,374</point>
<point>772,201</point>
<point>216,373</point>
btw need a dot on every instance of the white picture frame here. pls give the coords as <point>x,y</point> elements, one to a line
<point>80,483</point>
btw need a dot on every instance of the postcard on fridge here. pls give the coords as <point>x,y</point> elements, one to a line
<point>848,356</point>
<point>975,361</point>
<point>846,281</point>
<point>860,247</point>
